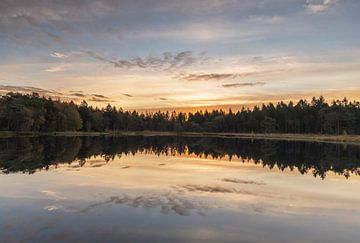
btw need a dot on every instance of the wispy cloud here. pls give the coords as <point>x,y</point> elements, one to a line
<point>101,100</point>
<point>128,95</point>
<point>92,97</point>
<point>313,6</point>
<point>27,89</point>
<point>42,30</point>
<point>59,55</point>
<point>77,96</point>
<point>166,61</point>
<point>58,68</point>
<point>219,76</point>
<point>100,96</point>
<point>244,84</point>
<point>267,19</point>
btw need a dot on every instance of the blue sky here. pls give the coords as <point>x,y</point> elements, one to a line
<point>157,53</point>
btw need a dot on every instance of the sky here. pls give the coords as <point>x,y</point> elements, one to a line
<point>180,54</point>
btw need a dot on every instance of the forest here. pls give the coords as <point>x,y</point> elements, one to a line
<point>31,112</point>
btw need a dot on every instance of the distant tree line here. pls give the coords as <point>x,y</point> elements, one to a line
<point>30,112</point>
<point>31,154</point>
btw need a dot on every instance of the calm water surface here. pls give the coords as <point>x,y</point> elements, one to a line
<point>178,189</point>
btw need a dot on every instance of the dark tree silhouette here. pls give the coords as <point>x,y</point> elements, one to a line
<point>19,112</point>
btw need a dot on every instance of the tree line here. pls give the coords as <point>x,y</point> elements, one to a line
<point>30,112</point>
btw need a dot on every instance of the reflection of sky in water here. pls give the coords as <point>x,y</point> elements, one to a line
<point>142,197</point>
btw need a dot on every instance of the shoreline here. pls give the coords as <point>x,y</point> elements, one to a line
<point>340,139</point>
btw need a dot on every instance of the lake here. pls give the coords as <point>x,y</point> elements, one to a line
<point>177,189</point>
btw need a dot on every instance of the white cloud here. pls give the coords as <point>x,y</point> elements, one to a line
<point>58,68</point>
<point>267,19</point>
<point>59,55</point>
<point>313,6</point>
<point>53,194</point>
<point>52,208</point>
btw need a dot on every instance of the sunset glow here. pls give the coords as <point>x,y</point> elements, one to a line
<point>183,55</point>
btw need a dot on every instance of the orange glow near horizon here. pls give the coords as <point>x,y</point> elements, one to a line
<point>208,55</point>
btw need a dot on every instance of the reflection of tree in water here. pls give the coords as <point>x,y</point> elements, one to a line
<point>29,154</point>
<point>32,153</point>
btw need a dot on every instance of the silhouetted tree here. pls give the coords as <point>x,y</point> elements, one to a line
<point>19,112</point>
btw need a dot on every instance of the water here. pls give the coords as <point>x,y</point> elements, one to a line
<point>178,189</point>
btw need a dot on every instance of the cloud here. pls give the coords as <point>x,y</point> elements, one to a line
<point>100,100</point>
<point>27,89</point>
<point>318,6</point>
<point>93,97</point>
<point>63,21</point>
<point>59,55</point>
<point>274,59</point>
<point>78,95</point>
<point>42,30</point>
<point>70,96</point>
<point>100,96</point>
<point>166,61</point>
<point>267,19</point>
<point>219,76</point>
<point>237,85</point>
<point>58,68</point>
<point>128,95</point>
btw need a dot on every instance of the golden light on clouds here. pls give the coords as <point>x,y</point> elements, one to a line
<point>207,53</point>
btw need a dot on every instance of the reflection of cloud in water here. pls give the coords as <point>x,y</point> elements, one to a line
<point>167,203</point>
<point>53,207</point>
<point>170,202</point>
<point>240,181</point>
<point>215,189</point>
<point>53,194</point>
<point>258,208</point>
<point>76,165</point>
